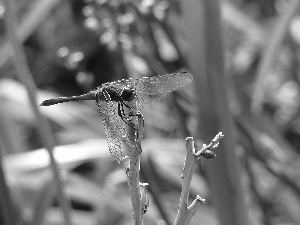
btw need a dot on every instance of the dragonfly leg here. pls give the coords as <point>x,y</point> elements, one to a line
<point>139,132</point>
<point>140,120</point>
<point>123,103</point>
<point>123,116</point>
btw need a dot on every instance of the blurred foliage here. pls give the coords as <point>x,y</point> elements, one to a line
<point>81,44</point>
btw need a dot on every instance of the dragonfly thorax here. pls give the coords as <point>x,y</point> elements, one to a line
<point>127,94</point>
<point>116,93</point>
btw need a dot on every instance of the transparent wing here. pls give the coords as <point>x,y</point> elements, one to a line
<point>113,127</point>
<point>144,100</point>
<point>149,89</point>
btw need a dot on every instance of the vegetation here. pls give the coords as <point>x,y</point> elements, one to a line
<point>55,165</point>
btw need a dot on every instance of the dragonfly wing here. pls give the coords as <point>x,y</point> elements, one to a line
<point>149,89</point>
<point>144,100</point>
<point>113,127</point>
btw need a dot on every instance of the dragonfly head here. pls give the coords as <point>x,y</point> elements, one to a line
<point>127,94</point>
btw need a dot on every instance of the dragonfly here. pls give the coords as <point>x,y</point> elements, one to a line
<point>113,99</point>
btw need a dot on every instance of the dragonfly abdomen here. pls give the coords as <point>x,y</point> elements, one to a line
<point>88,96</point>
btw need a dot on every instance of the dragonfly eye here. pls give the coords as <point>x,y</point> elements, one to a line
<point>127,94</point>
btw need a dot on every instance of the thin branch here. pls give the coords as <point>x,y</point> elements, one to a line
<point>132,165</point>
<point>187,173</point>
<point>25,76</point>
<point>193,208</point>
<point>135,187</point>
<point>185,212</point>
<point>213,144</point>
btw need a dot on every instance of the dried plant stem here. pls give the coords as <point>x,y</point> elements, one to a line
<point>132,167</point>
<point>135,187</point>
<point>25,76</point>
<point>186,213</point>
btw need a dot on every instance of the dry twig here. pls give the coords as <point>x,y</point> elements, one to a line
<point>185,212</point>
